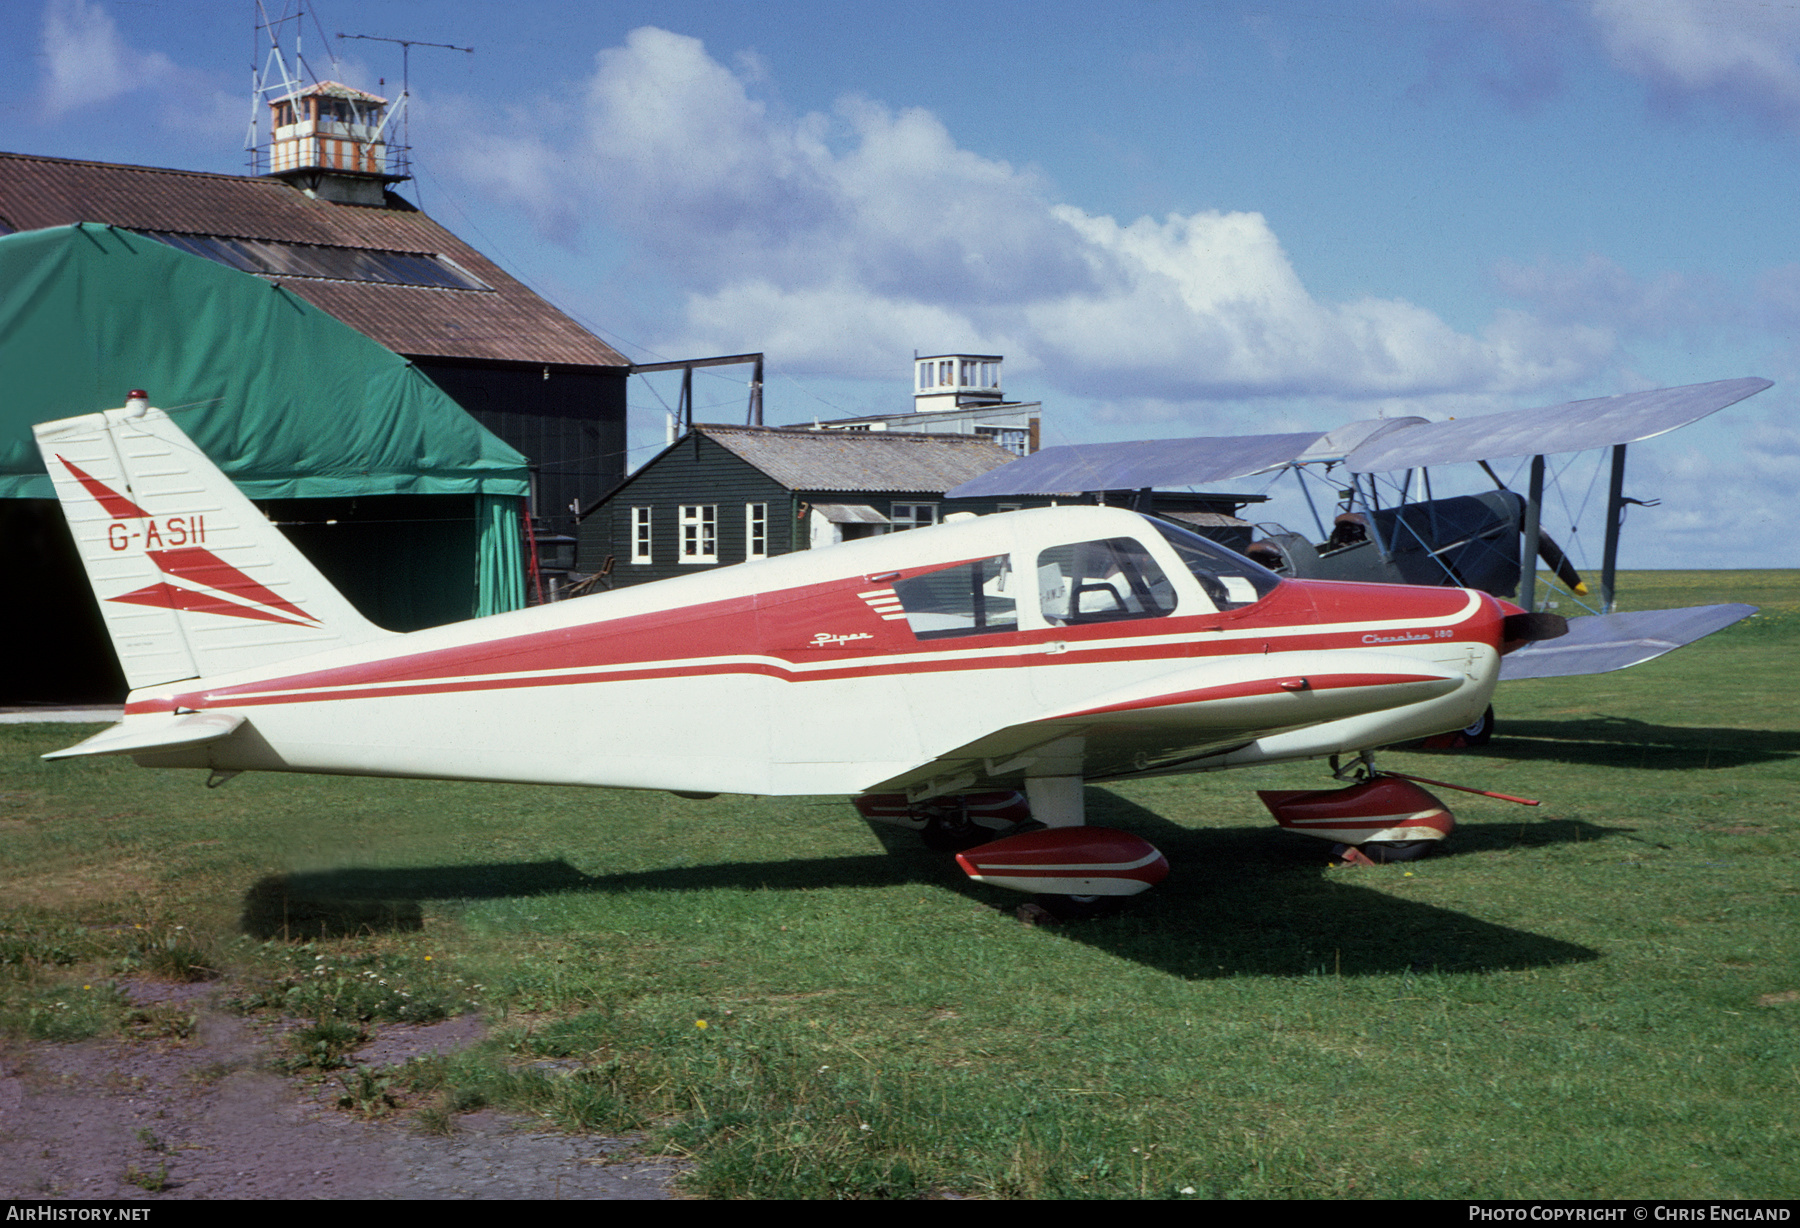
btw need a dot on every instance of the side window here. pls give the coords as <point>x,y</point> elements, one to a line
<point>756,530</point>
<point>700,533</point>
<point>1102,581</point>
<point>1230,579</point>
<point>912,516</point>
<point>640,535</point>
<point>977,598</point>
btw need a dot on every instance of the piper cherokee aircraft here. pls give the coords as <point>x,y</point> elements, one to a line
<point>923,673</point>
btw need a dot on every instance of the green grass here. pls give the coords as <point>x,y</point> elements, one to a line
<point>1597,998</point>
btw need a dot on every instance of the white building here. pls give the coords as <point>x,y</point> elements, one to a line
<point>959,394</point>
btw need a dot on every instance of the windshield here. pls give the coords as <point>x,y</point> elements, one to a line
<point>1229,578</point>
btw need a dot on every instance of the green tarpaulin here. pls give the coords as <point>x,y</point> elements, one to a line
<point>289,401</point>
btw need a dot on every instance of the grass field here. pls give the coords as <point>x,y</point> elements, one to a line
<point>1598,998</point>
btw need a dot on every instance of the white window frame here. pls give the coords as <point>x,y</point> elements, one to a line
<point>905,516</point>
<point>642,551</point>
<point>699,533</point>
<point>756,531</point>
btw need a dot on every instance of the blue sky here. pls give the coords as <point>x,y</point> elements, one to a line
<point>1172,218</point>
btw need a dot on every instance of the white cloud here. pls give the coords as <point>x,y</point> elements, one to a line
<point>841,242</point>
<point>87,63</point>
<point>1726,489</point>
<point>1601,294</point>
<point>1211,304</point>
<point>1747,50</point>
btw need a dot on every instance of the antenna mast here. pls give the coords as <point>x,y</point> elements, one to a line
<point>402,153</point>
<point>274,73</point>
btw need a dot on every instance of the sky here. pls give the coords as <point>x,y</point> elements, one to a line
<point>1172,218</point>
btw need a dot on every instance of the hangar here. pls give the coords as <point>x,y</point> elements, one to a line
<point>404,500</point>
<point>341,241</point>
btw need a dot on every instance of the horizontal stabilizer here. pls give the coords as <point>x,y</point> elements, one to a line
<point>160,732</point>
<point>1601,643</point>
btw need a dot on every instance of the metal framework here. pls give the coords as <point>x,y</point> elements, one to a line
<point>684,409</point>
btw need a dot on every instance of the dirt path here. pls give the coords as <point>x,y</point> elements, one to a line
<point>205,1118</point>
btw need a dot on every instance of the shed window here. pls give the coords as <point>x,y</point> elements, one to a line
<point>700,533</point>
<point>912,516</point>
<point>640,535</point>
<point>756,530</point>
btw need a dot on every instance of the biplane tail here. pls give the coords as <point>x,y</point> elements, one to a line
<point>192,580</point>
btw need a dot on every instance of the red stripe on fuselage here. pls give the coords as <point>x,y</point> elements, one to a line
<point>780,627</point>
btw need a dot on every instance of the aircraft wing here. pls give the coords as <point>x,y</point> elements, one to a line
<point>1376,445</point>
<point>1076,468</point>
<point>1572,427</point>
<point>1601,643</point>
<point>1177,716</point>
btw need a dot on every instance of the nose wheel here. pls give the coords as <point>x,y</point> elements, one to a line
<point>1074,907</point>
<point>1384,852</point>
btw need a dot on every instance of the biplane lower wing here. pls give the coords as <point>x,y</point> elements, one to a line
<point>1601,643</point>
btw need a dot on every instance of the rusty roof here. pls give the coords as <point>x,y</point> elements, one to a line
<point>334,89</point>
<point>506,323</point>
<point>860,460</point>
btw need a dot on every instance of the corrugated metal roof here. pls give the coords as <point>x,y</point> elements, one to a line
<point>506,324</point>
<point>860,460</point>
<point>850,513</point>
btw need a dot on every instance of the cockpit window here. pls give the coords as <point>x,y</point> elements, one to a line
<point>1229,578</point>
<point>1102,581</point>
<point>975,598</point>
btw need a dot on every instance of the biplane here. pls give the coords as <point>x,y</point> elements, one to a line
<point>963,681</point>
<point>1492,541</point>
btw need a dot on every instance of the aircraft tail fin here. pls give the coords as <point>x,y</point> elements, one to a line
<point>191,578</point>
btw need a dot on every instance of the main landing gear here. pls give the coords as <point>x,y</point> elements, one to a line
<point>1039,843</point>
<point>1035,843</point>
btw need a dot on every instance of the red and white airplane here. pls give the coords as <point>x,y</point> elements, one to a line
<point>922,672</point>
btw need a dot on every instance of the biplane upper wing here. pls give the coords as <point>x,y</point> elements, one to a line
<point>1077,468</point>
<point>1375,445</point>
<point>1601,643</point>
<point>1574,426</point>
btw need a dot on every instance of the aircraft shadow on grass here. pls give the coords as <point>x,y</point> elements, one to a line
<point>1620,742</point>
<point>1248,901</point>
